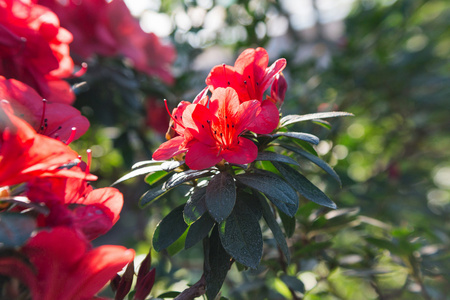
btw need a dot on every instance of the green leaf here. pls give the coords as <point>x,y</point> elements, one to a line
<point>293,283</point>
<point>16,229</point>
<point>241,236</point>
<point>218,264</point>
<point>146,162</point>
<point>195,207</point>
<point>182,177</point>
<point>276,189</point>
<point>291,119</point>
<point>178,245</point>
<point>300,136</point>
<point>171,165</point>
<point>153,178</point>
<point>252,201</point>
<point>288,223</point>
<point>304,186</point>
<point>137,172</point>
<point>169,229</point>
<point>199,230</point>
<point>272,156</point>
<point>315,160</point>
<point>169,295</point>
<point>221,196</point>
<point>269,217</point>
<point>152,194</point>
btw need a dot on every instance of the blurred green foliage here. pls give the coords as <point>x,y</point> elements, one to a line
<point>387,64</point>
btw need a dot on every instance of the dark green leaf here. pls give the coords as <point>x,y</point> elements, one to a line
<point>169,295</point>
<point>218,264</point>
<point>276,230</point>
<point>315,160</point>
<point>275,188</point>
<point>169,229</point>
<point>220,196</point>
<point>307,146</point>
<point>199,230</point>
<point>16,229</point>
<point>272,156</point>
<point>182,177</point>
<point>251,201</point>
<point>323,123</point>
<point>304,186</point>
<point>152,194</point>
<point>178,245</point>
<point>299,135</point>
<point>195,207</point>
<point>291,119</point>
<point>293,283</point>
<point>241,236</point>
<point>288,223</point>
<point>138,172</point>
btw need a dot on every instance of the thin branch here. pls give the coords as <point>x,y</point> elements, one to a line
<point>197,290</point>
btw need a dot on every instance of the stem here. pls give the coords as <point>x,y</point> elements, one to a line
<point>197,290</point>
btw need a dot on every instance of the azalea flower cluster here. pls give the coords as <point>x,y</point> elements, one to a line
<point>47,203</point>
<point>211,130</point>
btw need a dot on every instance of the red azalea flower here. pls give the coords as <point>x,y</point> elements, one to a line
<point>73,203</point>
<point>68,268</point>
<point>25,154</point>
<point>33,47</point>
<point>109,29</point>
<point>212,131</point>
<point>47,118</point>
<point>250,77</point>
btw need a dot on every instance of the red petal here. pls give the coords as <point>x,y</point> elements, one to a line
<point>201,156</point>
<point>267,120</point>
<point>169,149</point>
<point>245,152</point>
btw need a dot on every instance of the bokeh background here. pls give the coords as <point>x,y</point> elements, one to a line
<point>385,61</point>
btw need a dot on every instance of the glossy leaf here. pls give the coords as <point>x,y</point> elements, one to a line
<point>293,283</point>
<point>195,206</point>
<point>288,223</point>
<point>291,119</point>
<point>182,177</point>
<point>241,236</point>
<point>273,156</point>
<point>319,162</point>
<point>153,178</point>
<point>171,165</point>
<point>220,196</point>
<point>138,172</point>
<point>276,190</point>
<point>16,229</point>
<point>217,266</point>
<point>300,136</point>
<point>169,229</point>
<point>146,162</point>
<point>199,230</point>
<point>152,194</point>
<point>269,217</point>
<point>304,186</point>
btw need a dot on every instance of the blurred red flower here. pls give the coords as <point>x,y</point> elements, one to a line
<point>50,118</point>
<point>33,47</point>
<point>25,154</point>
<point>68,268</point>
<point>109,29</point>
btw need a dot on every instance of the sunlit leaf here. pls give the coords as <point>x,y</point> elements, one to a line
<point>291,119</point>
<point>319,162</point>
<point>299,135</point>
<point>195,206</point>
<point>138,172</point>
<point>304,186</point>
<point>182,177</point>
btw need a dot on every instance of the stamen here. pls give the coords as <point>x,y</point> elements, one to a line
<point>41,124</point>
<point>81,71</point>
<point>225,73</point>
<point>89,160</point>
<point>72,136</point>
<point>168,111</point>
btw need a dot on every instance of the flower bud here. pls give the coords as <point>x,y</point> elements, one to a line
<point>279,87</point>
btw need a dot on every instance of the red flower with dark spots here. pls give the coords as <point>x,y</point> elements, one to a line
<point>211,131</point>
<point>25,154</point>
<point>46,117</point>
<point>33,47</point>
<point>250,77</point>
